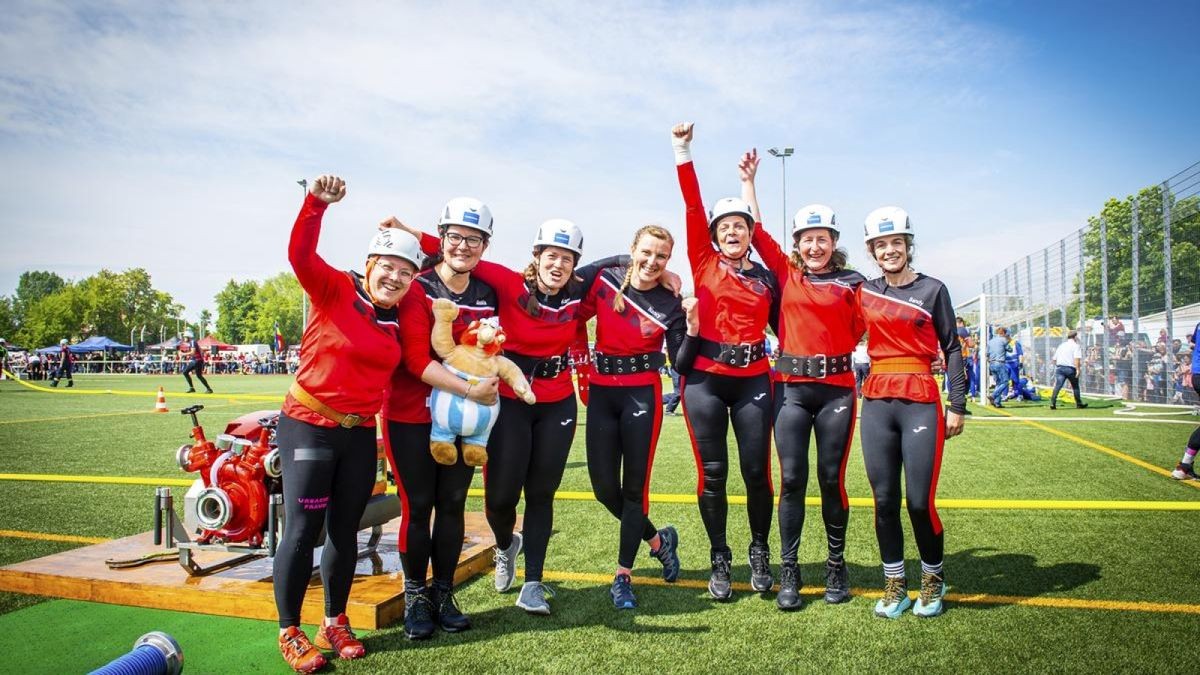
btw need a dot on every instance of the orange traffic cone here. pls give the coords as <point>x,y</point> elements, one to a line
<point>161,404</point>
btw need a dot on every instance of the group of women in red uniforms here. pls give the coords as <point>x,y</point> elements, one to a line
<point>367,350</point>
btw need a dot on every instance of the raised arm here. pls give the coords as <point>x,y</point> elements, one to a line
<point>430,245</point>
<point>314,274</point>
<point>699,242</point>
<point>772,254</point>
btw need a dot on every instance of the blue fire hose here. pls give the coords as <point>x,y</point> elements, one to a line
<point>154,653</point>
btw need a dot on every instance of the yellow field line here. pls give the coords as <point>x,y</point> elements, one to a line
<point>1001,504</point>
<point>1096,446</point>
<point>59,418</point>
<point>126,392</point>
<point>663,498</point>
<point>967,598</point>
<point>47,536</point>
<point>588,577</point>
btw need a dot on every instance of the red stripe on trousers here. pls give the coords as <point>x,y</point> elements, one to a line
<point>405,512</point>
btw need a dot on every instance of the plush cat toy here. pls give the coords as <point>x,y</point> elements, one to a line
<point>477,357</point>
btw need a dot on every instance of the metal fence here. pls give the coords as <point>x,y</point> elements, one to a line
<point>1128,281</point>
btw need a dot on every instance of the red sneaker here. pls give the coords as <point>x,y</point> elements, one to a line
<point>299,653</point>
<point>339,638</point>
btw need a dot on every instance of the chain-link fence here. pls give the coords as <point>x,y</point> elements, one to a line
<point>1128,282</point>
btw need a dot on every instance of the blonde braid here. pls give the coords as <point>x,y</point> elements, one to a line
<point>532,305</point>
<point>619,301</point>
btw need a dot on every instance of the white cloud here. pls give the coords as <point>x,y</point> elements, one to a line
<point>169,137</point>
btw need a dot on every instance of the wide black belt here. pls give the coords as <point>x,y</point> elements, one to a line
<point>736,355</point>
<point>538,366</point>
<point>624,365</point>
<point>817,365</point>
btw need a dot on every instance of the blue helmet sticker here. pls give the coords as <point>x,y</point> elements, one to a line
<point>562,238</point>
<point>887,226</point>
<point>814,219</point>
<point>470,217</point>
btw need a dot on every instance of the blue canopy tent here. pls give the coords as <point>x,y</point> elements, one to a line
<point>97,343</point>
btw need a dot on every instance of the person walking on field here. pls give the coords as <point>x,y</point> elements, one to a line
<point>66,364</point>
<point>997,352</point>
<point>1067,365</point>
<point>195,361</point>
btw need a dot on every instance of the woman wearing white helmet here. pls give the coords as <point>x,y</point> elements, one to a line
<point>66,364</point>
<point>195,361</point>
<point>431,491</point>
<point>527,451</point>
<point>326,431</point>
<point>911,324</point>
<point>730,381</point>
<point>814,391</point>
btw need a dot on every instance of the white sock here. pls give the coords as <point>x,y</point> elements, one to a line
<point>893,569</point>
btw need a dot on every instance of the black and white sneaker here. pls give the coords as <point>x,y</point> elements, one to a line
<point>788,598</point>
<point>719,585</point>
<point>506,563</point>
<point>668,553</point>
<point>760,568</point>
<point>837,582</point>
<point>622,592</point>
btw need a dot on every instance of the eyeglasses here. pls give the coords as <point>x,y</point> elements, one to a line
<point>402,272</point>
<point>454,239</point>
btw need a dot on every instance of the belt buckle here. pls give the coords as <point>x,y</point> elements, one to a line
<point>747,351</point>
<point>557,360</point>
<point>350,421</point>
<point>824,365</point>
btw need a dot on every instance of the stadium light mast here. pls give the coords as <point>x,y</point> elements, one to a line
<point>303,183</point>
<point>782,155</point>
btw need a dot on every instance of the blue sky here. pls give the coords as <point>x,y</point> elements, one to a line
<point>171,139</point>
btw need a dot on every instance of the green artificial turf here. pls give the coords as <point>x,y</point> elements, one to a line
<point>1091,556</point>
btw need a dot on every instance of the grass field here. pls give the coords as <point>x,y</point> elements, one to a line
<point>1039,581</point>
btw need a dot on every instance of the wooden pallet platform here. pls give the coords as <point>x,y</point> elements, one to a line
<point>376,599</point>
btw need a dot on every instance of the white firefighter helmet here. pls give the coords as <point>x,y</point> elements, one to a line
<point>886,221</point>
<point>62,341</point>
<point>468,212</point>
<point>392,241</point>
<point>729,206</point>
<point>561,233</point>
<point>815,216</point>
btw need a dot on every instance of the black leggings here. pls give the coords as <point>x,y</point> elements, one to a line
<point>709,403</point>
<point>801,409</point>
<point>198,368</point>
<point>622,433</point>
<point>527,451</point>
<point>424,487</point>
<point>328,473</point>
<point>903,434</point>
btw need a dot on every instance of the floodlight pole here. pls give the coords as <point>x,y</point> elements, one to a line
<point>782,155</point>
<point>303,183</point>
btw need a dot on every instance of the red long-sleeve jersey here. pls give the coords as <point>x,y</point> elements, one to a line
<point>350,346</point>
<point>915,321</point>
<point>649,319</point>
<point>818,313</point>
<point>407,398</point>
<point>734,305</point>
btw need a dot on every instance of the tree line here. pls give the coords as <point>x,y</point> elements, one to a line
<point>125,306</point>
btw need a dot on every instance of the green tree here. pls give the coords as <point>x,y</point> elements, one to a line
<point>235,309</point>
<point>206,323</point>
<point>8,318</point>
<point>35,285</point>
<point>51,318</point>
<point>277,300</point>
<point>1118,217</point>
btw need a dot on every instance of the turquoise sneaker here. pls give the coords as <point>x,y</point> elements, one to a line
<point>895,600</point>
<point>929,604</point>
